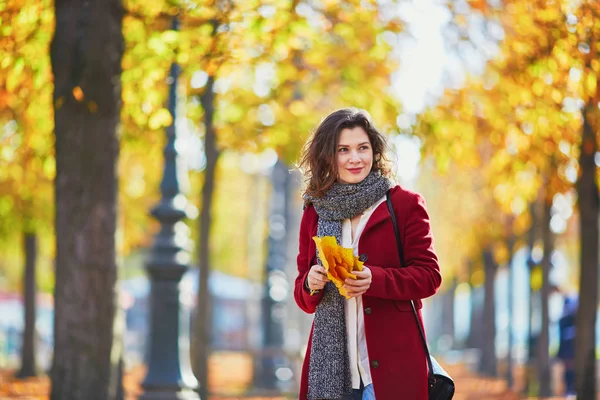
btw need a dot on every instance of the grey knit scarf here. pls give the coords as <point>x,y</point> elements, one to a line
<point>329,366</point>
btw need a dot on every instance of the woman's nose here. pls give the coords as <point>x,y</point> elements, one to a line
<point>354,158</point>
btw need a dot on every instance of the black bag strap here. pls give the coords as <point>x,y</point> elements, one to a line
<point>412,303</point>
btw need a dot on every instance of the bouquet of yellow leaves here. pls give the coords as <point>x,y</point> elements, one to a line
<point>338,261</point>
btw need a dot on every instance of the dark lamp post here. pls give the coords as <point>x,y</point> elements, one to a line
<point>169,375</point>
<point>272,370</point>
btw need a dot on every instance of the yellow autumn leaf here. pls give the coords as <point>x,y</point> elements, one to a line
<point>338,261</point>
<point>358,265</point>
<point>343,273</point>
<point>347,256</point>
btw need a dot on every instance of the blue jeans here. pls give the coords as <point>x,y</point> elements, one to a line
<point>368,393</point>
<point>365,393</point>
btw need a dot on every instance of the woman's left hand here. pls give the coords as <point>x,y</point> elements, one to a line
<point>357,287</point>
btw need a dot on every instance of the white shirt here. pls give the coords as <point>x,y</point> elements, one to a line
<point>355,319</point>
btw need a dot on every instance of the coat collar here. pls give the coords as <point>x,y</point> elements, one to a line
<point>380,214</point>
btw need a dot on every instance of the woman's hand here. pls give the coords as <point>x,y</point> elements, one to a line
<point>317,278</point>
<point>357,287</point>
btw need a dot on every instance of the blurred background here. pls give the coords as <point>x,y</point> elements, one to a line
<point>147,168</point>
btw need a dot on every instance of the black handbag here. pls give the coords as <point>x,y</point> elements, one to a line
<point>441,385</point>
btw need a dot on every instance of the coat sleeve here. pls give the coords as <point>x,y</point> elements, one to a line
<point>305,301</point>
<point>421,277</point>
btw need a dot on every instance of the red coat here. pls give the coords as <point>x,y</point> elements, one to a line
<point>398,365</point>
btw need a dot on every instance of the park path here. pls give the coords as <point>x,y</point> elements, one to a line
<point>469,387</point>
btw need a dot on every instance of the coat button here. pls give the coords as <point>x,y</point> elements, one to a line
<point>363,257</point>
<point>368,310</point>
<point>374,363</point>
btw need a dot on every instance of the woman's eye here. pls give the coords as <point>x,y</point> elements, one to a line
<point>343,149</point>
<point>364,147</point>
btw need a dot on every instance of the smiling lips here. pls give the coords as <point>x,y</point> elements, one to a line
<point>354,170</point>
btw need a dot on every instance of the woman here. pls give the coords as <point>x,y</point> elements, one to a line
<point>369,346</point>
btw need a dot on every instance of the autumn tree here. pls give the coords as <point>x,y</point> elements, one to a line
<point>532,98</point>
<point>86,54</point>
<point>26,160</point>
<point>561,73</point>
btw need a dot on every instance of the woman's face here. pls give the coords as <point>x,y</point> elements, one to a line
<point>354,155</point>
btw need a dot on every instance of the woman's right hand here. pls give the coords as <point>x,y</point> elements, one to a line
<point>317,278</point>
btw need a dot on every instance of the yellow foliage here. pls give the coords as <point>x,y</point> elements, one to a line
<point>286,68</point>
<point>160,119</point>
<point>477,278</point>
<point>26,123</point>
<point>521,109</point>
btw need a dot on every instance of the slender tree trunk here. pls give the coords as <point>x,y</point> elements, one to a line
<point>488,333</point>
<point>86,54</point>
<point>203,319</point>
<point>470,340</point>
<point>509,357</point>
<point>474,340</point>
<point>28,363</point>
<point>448,311</point>
<point>544,337</point>
<point>530,265</point>
<point>589,205</point>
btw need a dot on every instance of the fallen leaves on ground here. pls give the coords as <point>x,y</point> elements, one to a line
<point>469,387</point>
<point>30,388</point>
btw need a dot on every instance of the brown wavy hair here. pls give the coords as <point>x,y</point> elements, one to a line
<point>318,160</point>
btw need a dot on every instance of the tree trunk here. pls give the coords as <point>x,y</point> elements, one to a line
<point>544,337</point>
<point>530,266</point>
<point>488,333</point>
<point>203,320</point>
<point>86,54</point>
<point>474,340</point>
<point>28,364</point>
<point>448,312</point>
<point>509,356</point>
<point>587,194</point>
